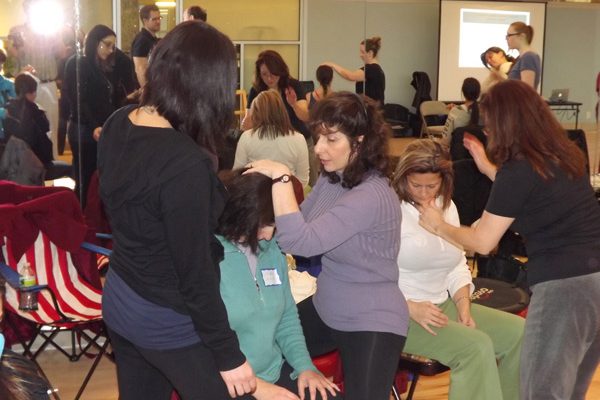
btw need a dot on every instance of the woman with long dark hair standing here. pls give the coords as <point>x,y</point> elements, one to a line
<point>541,190</point>
<point>165,317</point>
<point>90,83</point>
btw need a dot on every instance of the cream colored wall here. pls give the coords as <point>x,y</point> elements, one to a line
<point>253,20</point>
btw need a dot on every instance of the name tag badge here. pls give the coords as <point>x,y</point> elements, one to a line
<point>270,277</point>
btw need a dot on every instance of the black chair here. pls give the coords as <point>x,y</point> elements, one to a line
<point>417,366</point>
<point>471,190</point>
<point>578,136</point>
<point>398,117</point>
<point>307,86</point>
<point>457,149</point>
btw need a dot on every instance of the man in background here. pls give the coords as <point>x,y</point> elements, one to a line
<point>194,13</point>
<point>145,40</point>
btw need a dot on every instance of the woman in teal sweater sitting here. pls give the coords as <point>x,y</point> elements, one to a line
<point>256,292</point>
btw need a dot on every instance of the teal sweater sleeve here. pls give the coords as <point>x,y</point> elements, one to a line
<point>289,333</point>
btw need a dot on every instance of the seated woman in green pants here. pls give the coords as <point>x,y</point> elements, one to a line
<point>479,344</point>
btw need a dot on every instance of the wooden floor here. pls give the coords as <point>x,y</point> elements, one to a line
<point>67,376</point>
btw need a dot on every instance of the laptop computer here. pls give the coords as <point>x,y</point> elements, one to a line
<point>559,95</point>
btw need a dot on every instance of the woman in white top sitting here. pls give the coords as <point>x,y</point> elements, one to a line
<point>272,137</point>
<point>466,114</point>
<point>479,344</point>
<point>498,62</point>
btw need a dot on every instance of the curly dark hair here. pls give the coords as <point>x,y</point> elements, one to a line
<point>249,207</point>
<point>354,115</point>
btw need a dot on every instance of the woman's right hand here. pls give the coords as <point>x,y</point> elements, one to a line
<point>425,313</point>
<point>272,169</point>
<point>240,380</point>
<point>269,391</point>
<point>477,151</point>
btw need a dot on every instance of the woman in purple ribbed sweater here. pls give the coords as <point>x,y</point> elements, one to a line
<point>352,217</point>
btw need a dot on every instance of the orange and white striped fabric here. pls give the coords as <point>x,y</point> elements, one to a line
<point>53,266</point>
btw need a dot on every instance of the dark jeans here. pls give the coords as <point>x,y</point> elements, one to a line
<point>369,359</point>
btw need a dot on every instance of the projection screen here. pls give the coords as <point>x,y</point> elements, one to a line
<point>467,28</point>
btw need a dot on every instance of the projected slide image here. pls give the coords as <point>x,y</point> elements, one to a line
<point>481,29</point>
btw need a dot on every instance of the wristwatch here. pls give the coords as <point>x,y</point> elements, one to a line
<point>285,178</point>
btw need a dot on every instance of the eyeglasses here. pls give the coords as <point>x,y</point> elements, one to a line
<point>155,19</point>
<point>512,34</point>
<point>107,45</point>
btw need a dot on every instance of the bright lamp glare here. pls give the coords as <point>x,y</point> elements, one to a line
<point>46,17</point>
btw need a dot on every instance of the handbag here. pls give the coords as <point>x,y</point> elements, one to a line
<point>504,268</point>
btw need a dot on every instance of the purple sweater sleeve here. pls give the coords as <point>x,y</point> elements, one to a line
<point>345,218</point>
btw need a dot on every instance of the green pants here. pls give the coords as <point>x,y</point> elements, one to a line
<point>484,362</point>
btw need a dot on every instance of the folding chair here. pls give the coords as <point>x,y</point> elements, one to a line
<point>431,112</point>
<point>44,227</point>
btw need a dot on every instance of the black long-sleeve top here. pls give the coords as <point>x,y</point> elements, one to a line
<point>163,201</point>
<point>100,93</point>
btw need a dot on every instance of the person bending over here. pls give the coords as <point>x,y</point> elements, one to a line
<point>256,291</point>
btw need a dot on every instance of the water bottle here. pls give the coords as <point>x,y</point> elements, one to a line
<point>28,300</point>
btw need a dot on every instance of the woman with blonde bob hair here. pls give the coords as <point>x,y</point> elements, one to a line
<point>272,137</point>
<point>479,344</point>
<point>541,191</point>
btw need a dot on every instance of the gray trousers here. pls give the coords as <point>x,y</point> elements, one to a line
<point>561,346</point>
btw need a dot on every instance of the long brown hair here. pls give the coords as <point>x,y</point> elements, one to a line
<point>520,125</point>
<point>276,66</point>
<point>269,116</point>
<point>422,157</point>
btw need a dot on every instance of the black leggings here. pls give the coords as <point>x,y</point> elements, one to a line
<point>369,359</point>
<point>153,374</point>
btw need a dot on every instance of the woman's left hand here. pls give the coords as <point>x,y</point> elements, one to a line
<point>290,96</point>
<point>315,381</point>
<point>430,217</point>
<point>466,319</point>
<point>272,169</point>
